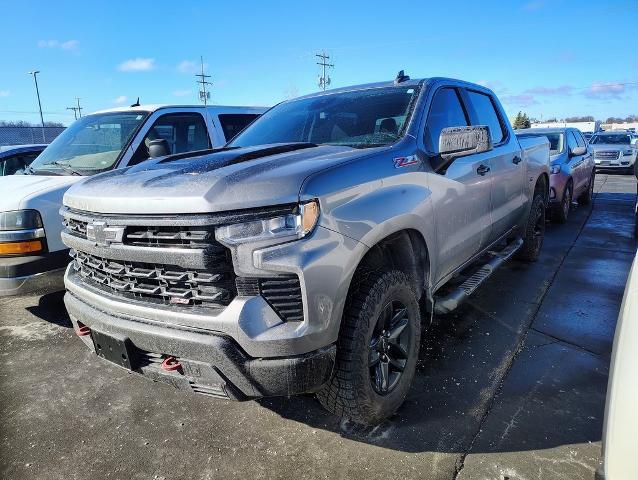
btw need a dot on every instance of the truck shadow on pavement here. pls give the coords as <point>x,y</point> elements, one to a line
<point>461,365</point>
<point>50,308</point>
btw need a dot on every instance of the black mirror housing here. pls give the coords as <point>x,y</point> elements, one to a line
<point>158,148</point>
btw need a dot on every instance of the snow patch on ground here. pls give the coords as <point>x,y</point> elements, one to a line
<point>30,331</point>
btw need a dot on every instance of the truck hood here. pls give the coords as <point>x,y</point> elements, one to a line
<point>221,181</point>
<point>25,191</point>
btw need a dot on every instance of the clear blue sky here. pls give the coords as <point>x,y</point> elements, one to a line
<point>550,58</point>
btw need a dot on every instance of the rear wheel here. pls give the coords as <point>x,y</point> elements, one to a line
<point>377,349</point>
<point>534,232</point>
<point>586,197</point>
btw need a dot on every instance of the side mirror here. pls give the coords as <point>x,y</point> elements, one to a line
<point>577,151</point>
<point>455,142</point>
<point>158,148</point>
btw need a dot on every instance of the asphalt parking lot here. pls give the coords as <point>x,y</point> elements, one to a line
<point>511,386</point>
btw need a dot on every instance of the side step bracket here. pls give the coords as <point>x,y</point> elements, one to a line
<point>451,300</point>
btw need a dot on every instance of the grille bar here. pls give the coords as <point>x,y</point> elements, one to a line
<point>157,282</point>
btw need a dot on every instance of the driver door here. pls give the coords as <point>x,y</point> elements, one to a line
<point>461,194</point>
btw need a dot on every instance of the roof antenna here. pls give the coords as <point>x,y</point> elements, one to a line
<point>136,104</point>
<point>401,77</point>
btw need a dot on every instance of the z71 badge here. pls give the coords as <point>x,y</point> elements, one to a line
<point>401,162</point>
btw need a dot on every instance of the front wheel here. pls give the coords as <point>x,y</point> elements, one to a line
<point>377,349</point>
<point>534,232</point>
<point>561,212</point>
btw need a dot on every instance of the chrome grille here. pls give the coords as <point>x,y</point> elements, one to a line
<point>607,154</point>
<point>159,283</point>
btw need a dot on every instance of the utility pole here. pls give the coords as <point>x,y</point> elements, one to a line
<point>37,91</point>
<point>79,107</point>
<point>204,95</point>
<point>324,80</point>
<point>75,111</point>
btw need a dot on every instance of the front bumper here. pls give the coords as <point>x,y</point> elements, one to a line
<point>213,364</point>
<point>624,162</point>
<point>21,275</point>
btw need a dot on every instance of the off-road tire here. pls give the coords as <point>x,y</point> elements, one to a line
<point>560,212</point>
<point>534,232</point>
<point>350,393</point>
<point>586,197</point>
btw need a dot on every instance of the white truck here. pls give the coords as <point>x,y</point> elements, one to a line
<point>32,255</point>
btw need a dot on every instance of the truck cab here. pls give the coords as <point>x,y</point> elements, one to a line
<point>32,255</point>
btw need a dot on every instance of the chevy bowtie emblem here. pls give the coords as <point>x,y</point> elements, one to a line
<point>400,162</point>
<point>102,235</point>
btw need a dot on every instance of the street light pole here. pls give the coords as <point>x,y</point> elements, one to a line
<point>37,92</point>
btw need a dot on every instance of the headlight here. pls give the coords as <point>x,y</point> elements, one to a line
<point>20,220</point>
<point>20,232</point>
<point>284,228</point>
<point>629,152</point>
<point>554,169</point>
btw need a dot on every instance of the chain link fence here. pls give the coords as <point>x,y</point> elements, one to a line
<point>26,135</point>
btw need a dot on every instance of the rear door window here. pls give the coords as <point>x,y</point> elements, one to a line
<point>233,123</point>
<point>485,114</point>
<point>446,111</point>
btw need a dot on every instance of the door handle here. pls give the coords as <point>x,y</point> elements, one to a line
<point>516,160</point>
<point>482,169</point>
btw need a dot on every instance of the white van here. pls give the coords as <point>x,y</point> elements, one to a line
<point>32,256</point>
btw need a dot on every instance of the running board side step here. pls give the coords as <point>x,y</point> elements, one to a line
<point>453,299</point>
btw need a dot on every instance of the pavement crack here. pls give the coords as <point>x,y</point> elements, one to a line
<point>562,340</point>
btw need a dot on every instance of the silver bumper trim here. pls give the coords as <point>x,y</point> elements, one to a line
<point>47,281</point>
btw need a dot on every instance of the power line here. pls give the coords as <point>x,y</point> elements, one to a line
<point>204,95</point>
<point>324,80</point>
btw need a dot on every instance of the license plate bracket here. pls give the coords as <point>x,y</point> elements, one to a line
<point>114,348</point>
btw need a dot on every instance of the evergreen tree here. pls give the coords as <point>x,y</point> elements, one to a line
<point>521,121</point>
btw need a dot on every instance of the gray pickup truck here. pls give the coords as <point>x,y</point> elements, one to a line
<point>306,254</point>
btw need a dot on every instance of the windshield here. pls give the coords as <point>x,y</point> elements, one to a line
<point>90,145</point>
<point>611,139</point>
<point>360,119</point>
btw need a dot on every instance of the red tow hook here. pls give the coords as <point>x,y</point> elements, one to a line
<point>82,330</point>
<point>170,364</point>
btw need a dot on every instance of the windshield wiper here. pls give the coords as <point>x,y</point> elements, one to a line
<point>64,166</point>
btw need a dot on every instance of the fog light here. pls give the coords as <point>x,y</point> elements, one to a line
<point>18,248</point>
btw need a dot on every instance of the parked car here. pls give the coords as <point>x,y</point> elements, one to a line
<point>621,421</point>
<point>15,158</point>
<point>32,255</point>
<point>572,169</point>
<point>295,259</point>
<point>614,151</point>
